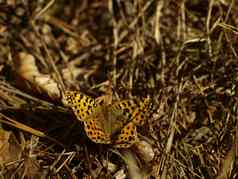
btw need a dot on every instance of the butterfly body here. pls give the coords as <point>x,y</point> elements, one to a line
<point>108,123</point>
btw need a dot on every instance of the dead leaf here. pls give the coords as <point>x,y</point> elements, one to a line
<point>27,69</point>
<point>10,149</point>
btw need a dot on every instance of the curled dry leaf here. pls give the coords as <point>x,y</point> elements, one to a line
<point>27,69</point>
<point>120,174</point>
<point>11,152</point>
<point>10,149</point>
<point>144,150</point>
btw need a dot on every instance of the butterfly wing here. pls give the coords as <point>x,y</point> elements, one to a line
<point>82,105</point>
<point>95,132</point>
<point>89,111</point>
<point>127,136</point>
<point>136,110</point>
<point>101,123</point>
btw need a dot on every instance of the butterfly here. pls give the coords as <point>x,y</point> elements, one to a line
<point>114,123</point>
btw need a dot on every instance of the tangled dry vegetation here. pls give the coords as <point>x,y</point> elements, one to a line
<point>181,53</point>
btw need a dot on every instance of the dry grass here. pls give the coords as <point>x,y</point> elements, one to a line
<point>181,53</point>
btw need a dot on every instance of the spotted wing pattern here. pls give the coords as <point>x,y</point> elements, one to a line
<point>127,136</point>
<point>82,105</point>
<point>121,117</point>
<point>136,110</point>
<point>96,132</point>
<point>87,110</point>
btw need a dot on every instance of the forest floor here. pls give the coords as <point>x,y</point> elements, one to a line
<point>183,55</point>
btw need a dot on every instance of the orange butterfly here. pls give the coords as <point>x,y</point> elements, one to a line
<point>109,123</point>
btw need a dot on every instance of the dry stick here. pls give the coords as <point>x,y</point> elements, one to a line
<point>51,62</point>
<point>229,27</point>
<point>88,161</point>
<point>208,27</point>
<point>50,59</point>
<point>157,33</point>
<point>230,44</point>
<point>71,172</point>
<point>115,44</point>
<point>183,24</point>
<point>124,34</point>
<point>209,31</point>
<point>171,136</point>
<point>163,63</point>
<point>229,160</point>
<point>40,101</point>
<point>219,44</point>
<point>57,160</point>
<point>28,129</point>
<point>71,154</point>
<point>218,23</point>
<point>61,25</point>
<point>42,11</point>
<point>134,22</point>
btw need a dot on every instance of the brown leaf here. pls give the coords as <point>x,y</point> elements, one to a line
<point>10,149</point>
